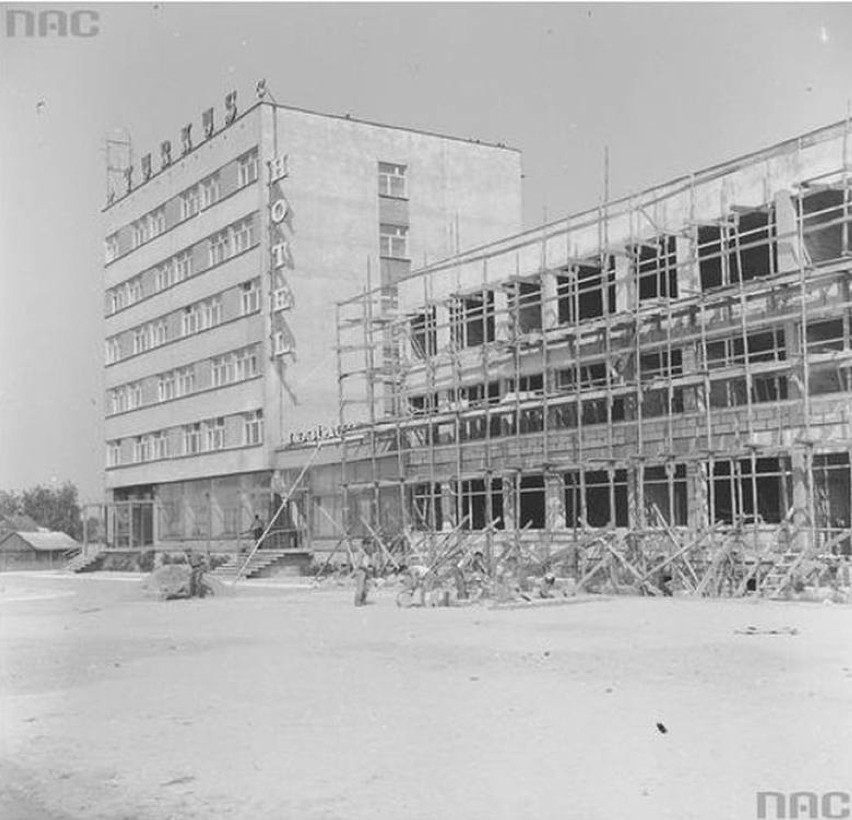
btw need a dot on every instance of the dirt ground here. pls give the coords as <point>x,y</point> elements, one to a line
<point>291,703</point>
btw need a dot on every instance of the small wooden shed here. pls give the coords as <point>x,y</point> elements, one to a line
<point>36,550</point>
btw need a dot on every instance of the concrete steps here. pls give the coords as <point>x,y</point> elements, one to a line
<point>262,560</point>
<point>84,561</point>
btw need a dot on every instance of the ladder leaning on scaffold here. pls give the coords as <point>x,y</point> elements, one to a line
<point>284,502</point>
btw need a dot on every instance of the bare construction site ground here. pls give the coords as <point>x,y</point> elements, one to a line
<point>291,703</point>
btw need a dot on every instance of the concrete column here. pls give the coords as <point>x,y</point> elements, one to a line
<point>554,497</point>
<point>802,523</point>
<point>635,496</point>
<point>448,507</point>
<point>688,278</point>
<point>789,250</point>
<point>502,317</point>
<point>698,495</point>
<point>625,286</point>
<point>510,516</point>
<point>549,300</point>
<point>793,344</point>
<point>442,320</point>
<point>691,365</point>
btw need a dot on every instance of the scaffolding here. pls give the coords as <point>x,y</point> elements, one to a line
<point>672,369</point>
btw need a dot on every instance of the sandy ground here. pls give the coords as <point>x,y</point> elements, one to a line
<point>291,703</point>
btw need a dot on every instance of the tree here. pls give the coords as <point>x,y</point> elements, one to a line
<point>56,508</point>
<point>10,503</point>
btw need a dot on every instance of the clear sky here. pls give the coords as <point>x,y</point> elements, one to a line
<point>670,88</point>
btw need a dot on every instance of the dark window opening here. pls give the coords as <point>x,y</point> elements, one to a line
<point>824,225</point>
<point>587,376</point>
<point>532,507</point>
<point>710,256</point>
<point>655,266</point>
<point>424,334</point>
<point>825,337</point>
<point>669,496</point>
<point>734,488</point>
<point>472,320</point>
<point>525,306</point>
<point>426,507</point>
<point>598,509</point>
<point>831,483</point>
<point>533,383</point>
<point>473,504</point>
<point>755,241</point>
<point>661,365</point>
<point>421,404</point>
<point>586,292</point>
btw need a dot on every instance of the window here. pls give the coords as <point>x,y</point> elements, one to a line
<point>189,203</point>
<point>666,490</point>
<point>140,232</point>
<point>655,265</point>
<point>472,320</point>
<point>282,299</point>
<point>163,276</point>
<point>220,248</point>
<point>166,386</point>
<point>192,439</point>
<point>472,501</point>
<point>111,247</point>
<point>243,235</point>
<point>598,488</point>
<point>733,490</point>
<point>392,180</point>
<point>393,241</point>
<point>141,449</point>
<point>215,434</point>
<point>141,340</point>
<point>157,222</point>
<point>424,334</point>
<point>825,225</point>
<point>223,370</point>
<point>134,395</point>
<point>113,351</point>
<point>134,290</point>
<point>212,313</point>
<point>191,320</point>
<point>253,427</point>
<point>766,347</point>
<point>280,343</point>
<point>246,364</point>
<point>247,171</point>
<point>744,248</point>
<point>183,266</point>
<point>113,453</point>
<point>186,381</point>
<point>250,296</point>
<point>160,445</point>
<point>525,306</point>
<point>210,191</point>
<point>159,333</point>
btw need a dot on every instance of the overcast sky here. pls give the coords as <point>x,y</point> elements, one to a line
<point>669,88</point>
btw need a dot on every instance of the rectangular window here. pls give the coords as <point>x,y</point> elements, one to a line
<point>250,297</point>
<point>282,299</point>
<point>113,351</point>
<point>141,340</point>
<point>825,225</point>
<point>216,434</point>
<point>393,241</point>
<point>472,503</point>
<point>186,380</point>
<point>163,276</point>
<point>157,222</point>
<point>472,320</point>
<point>166,386</point>
<point>586,291</point>
<point>253,427</point>
<point>247,169</point>
<point>160,445</point>
<point>742,249</point>
<point>666,491</point>
<point>212,313</point>
<point>192,439</point>
<point>189,203</point>
<point>602,490</point>
<point>113,453</point>
<point>140,232</point>
<point>280,343</point>
<point>191,320</point>
<point>735,485</point>
<point>134,395</point>
<point>159,333</point>
<point>392,180</point>
<point>183,266</point>
<point>111,247</point>
<point>141,449</point>
<point>223,370</point>
<point>655,266</point>
<point>243,235</point>
<point>246,364</point>
<point>134,290</point>
<point>424,334</point>
<point>220,247</point>
<point>210,191</point>
<point>525,306</point>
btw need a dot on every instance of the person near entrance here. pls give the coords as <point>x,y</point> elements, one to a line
<point>257,529</point>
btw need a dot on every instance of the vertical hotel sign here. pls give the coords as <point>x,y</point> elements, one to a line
<point>282,343</point>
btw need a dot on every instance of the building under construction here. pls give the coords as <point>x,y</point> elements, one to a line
<point>672,367</point>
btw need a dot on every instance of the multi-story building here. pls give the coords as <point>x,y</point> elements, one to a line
<point>225,257</point>
<point>680,358</point>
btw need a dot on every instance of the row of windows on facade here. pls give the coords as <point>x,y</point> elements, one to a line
<point>824,338</point>
<point>194,439</point>
<point>738,491</point>
<point>193,200</point>
<point>194,318</point>
<point>229,368</point>
<point>726,254</point>
<point>233,240</point>
<point>393,180</point>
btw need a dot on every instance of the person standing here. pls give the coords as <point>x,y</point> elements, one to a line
<point>257,529</point>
